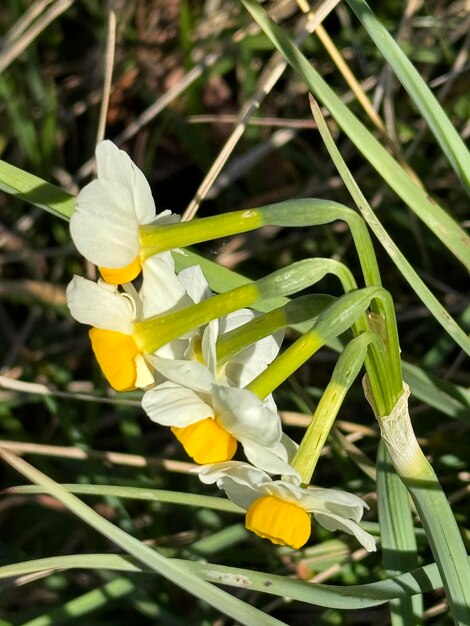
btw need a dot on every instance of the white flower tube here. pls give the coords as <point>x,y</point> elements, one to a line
<point>279,510</point>
<point>109,212</point>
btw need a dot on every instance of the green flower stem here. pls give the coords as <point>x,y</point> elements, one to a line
<point>156,331</point>
<point>286,364</point>
<point>300,310</point>
<point>307,212</point>
<point>293,213</point>
<point>344,374</point>
<point>344,313</point>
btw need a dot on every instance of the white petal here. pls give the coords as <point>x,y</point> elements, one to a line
<point>270,403</point>
<point>266,458</point>
<point>173,350</point>
<point>335,501</point>
<point>116,166</point>
<point>240,494</point>
<point>144,376</point>
<point>253,360</point>
<point>289,446</point>
<point>236,319</point>
<point>209,344</point>
<point>191,374</point>
<point>213,472</point>
<point>288,490</point>
<point>265,349</point>
<point>244,415</point>
<point>161,290</point>
<point>336,522</point>
<point>166,217</point>
<point>195,283</point>
<point>104,227</point>
<point>170,404</point>
<point>99,305</point>
<point>242,483</point>
<point>347,505</point>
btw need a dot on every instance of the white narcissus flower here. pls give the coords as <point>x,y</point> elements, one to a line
<point>203,403</point>
<point>279,510</point>
<point>112,315</point>
<point>109,212</point>
<point>210,424</point>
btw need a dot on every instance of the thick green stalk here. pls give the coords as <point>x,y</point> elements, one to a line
<point>431,503</point>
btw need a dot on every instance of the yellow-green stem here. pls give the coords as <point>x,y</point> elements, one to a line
<point>155,332</point>
<point>315,437</point>
<point>287,364</point>
<point>344,374</point>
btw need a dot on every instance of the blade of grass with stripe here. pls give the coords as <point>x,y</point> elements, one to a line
<point>141,493</point>
<point>406,269</point>
<point>397,538</point>
<point>421,580</point>
<point>176,572</point>
<point>442,128</point>
<point>439,222</point>
<point>36,191</point>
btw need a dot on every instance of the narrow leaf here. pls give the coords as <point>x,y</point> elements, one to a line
<point>441,224</point>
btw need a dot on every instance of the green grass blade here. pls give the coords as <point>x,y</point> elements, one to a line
<point>424,100</point>
<point>448,398</point>
<point>421,580</point>
<point>407,270</point>
<point>176,572</point>
<point>36,191</point>
<point>398,540</point>
<point>91,601</point>
<point>440,223</point>
<point>139,493</point>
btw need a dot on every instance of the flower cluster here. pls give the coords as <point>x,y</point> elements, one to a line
<point>186,386</point>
